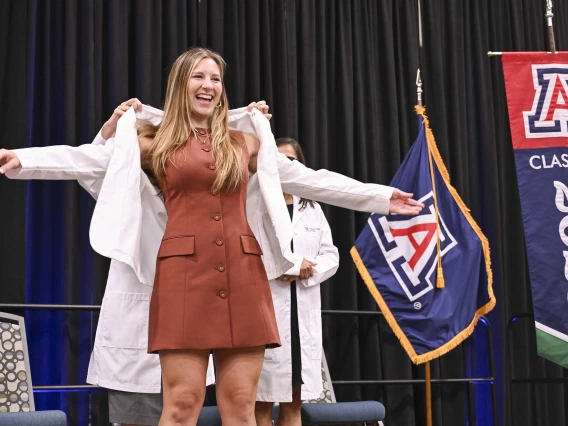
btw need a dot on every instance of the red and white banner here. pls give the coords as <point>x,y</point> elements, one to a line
<point>537,97</point>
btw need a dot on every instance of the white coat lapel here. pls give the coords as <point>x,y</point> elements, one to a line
<point>268,177</point>
<point>116,226</point>
<point>117,219</point>
<point>298,213</point>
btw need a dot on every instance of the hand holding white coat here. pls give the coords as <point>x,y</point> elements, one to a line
<point>8,161</point>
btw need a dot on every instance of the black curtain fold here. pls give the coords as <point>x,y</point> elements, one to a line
<point>13,37</point>
<point>339,76</point>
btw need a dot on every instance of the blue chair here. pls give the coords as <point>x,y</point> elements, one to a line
<point>318,412</point>
<point>340,413</point>
<point>209,416</point>
<point>16,396</point>
<point>34,418</point>
<point>326,411</point>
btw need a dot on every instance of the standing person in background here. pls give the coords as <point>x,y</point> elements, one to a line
<point>292,373</point>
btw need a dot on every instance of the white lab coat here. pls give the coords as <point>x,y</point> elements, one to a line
<point>129,221</point>
<point>312,240</point>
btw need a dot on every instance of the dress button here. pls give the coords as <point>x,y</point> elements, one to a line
<point>221,268</point>
<point>217,217</point>
<point>219,241</point>
<point>211,166</point>
<point>206,148</point>
<point>222,294</point>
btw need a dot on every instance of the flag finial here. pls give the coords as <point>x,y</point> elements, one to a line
<point>419,88</point>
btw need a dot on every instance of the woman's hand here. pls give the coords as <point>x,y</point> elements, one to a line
<point>306,271</point>
<point>262,107</point>
<point>402,203</point>
<point>110,126</point>
<point>288,278</point>
<point>8,161</point>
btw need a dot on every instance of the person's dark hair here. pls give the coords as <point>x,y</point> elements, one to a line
<point>300,154</point>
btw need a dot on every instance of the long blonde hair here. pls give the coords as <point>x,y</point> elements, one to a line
<point>176,127</point>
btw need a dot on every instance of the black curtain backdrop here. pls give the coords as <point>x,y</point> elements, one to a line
<point>13,122</point>
<point>339,76</point>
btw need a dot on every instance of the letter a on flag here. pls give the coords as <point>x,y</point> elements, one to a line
<point>430,274</point>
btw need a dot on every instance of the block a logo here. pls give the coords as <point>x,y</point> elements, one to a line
<point>410,247</point>
<point>548,116</point>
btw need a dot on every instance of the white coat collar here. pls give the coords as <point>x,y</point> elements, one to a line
<point>125,244</point>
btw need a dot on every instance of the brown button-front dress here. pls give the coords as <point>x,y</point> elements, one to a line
<point>210,290</point>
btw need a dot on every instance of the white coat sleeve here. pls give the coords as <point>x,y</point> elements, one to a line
<point>99,140</point>
<point>63,162</point>
<point>328,256</point>
<point>93,186</point>
<point>295,269</point>
<point>332,188</point>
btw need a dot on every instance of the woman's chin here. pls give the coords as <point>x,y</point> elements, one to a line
<point>202,113</point>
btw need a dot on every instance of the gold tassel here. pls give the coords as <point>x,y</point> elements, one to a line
<point>440,282</point>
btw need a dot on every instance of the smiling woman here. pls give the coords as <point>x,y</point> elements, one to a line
<point>202,105</point>
<point>210,289</point>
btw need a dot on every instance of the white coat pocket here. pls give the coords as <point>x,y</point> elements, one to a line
<point>124,319</point>
<point>271,354</point>
<point>312,238</point>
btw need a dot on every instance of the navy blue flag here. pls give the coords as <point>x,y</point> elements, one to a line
<point>430,274</point>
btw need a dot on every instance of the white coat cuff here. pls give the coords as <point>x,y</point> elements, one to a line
<point>295,270</point>
<point>99,140</point>
<point>383,200</point>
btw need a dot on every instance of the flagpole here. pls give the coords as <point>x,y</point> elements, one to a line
<point>428,394</point>
<point>549,15</point>
<point>427,381</point>
<point>550,31</point>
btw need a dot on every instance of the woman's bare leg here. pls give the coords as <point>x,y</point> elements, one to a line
<point>263,413</point>
<point>183,379</point>
<point>238,371</point>
<point>291,412</point>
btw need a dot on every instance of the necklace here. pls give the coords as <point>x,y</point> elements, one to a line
<point>207,137</point>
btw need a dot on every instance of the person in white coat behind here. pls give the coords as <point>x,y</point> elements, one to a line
<point>292,373</point>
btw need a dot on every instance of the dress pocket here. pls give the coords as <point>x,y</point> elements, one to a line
<point>183,245</point>
<point>124,319</point>
<point>250,245</point>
